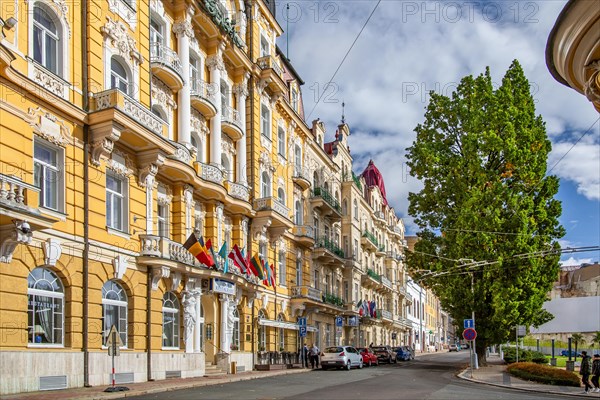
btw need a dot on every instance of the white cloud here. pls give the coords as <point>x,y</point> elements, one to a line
<point>575,261</point>
<point>409,48</point>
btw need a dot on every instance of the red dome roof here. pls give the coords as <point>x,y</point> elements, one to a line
<point>374,178</point>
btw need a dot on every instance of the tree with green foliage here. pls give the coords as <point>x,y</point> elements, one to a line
<point>481,155</point>
<point>596,340</point>
<point>577,339</point>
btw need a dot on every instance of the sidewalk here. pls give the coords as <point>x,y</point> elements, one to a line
<point>495,374</point>
<point>137,389</point>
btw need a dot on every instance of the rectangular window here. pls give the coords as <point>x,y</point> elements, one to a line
<point>316,279</point>
<point>282,275</point>
<point>47,175</point>
<point>265,121</point>
<point>116,202</point>
<point>163,220</point>
<point>281,141</point>
<point>299,272</point>
<point>295,100</point>
<point>264,46</point>
<point>346,292</point>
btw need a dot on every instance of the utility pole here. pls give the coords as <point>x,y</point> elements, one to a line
<point>475,361</point>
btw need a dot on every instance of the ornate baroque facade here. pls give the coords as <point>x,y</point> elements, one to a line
<point>125,126</point>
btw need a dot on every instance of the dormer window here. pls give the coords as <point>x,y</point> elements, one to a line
<point>294,99</point>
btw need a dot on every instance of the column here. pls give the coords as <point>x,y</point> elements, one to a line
<point>198,330</point>
<point>188,196</point>
<point>183,30</point>
<point>146,179</point>
<point>241,91</point>
<point>224,334</point>
<point>216,66</point>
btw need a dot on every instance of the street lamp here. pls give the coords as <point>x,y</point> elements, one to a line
<point>467,261</point>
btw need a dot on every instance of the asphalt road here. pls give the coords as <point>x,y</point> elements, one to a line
<point>427,377</point>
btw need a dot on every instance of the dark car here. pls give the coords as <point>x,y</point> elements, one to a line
<point>404,353</point>
<point>384,354</point>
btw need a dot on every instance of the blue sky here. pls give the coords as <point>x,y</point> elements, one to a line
<point>411,47</point>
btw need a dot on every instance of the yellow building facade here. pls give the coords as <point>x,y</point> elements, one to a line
<point>126,126</point>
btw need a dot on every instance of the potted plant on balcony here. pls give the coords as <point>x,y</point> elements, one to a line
<point>234,347</point>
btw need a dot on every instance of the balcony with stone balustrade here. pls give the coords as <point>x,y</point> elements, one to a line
<point>203,97</point>
<point>304,235</point>
<point>166,65</point>
<point>231,123</point>
<point>272,73</point>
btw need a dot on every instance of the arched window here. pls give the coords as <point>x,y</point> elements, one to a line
<point>196,145</point>
<point>46,39</point>
<point>355,209</point>
<point>281,195</point>
<point>344,207</point>
<point>265,185</point>
<point>298,212</point>
<point>118,76</point>
<point>227,167</point>
<point>46,301</point>
<point>171,315</point>
<point>114,310</point>
<point>262,332</point>
<point>156,110</point>
<point>315,180</point>
<point>235,336</point>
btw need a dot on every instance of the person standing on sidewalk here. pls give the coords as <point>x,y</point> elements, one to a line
<point>596,373</point>
<point>585,370</point>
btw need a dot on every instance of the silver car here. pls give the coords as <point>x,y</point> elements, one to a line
<point>341,357</point>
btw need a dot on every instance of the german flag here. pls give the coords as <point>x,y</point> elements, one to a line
<point>193,246</point>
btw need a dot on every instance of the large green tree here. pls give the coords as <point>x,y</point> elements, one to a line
<point>481,155</point>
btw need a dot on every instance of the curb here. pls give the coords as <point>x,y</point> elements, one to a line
<point>462,375</point>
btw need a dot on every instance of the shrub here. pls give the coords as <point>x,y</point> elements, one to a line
<point>510,356</point>
<point>543,374</point>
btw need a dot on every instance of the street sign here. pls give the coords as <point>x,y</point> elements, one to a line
<point>302,321</point>
<point>339,321</point>
<point>469,334</point>
<point>469,323</point>
<point>302,331</point>
<point>113,342</point>
<point>521,330</point>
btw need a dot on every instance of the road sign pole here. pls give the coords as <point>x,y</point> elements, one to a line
<point>471,358</point>
<point>114,350</point>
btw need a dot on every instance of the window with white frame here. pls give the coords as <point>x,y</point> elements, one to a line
<point>114,311</point>
<point>355,209</point>
<point>171,318</point>
<point>162,219</point>
<point>316,279</point>
<point>235,335</point>
<point>195,75</point>
<point>298,212</point>
<point>47,174</point>
<point>262,250</point>
<point>46,38</point>
<point>265,121</point>
<point>328,284</point>
<point>346,291</point>
<point>281,195</point>
<point>116,202</point>
<point>294,99</point>
<point>328,335</point>
<point>299,271</point>
<point>297,156</point>
<point>157,110</point>
<point>264,46</point>
<point>45,311</point>
<point>282,268</point>
<point>281,141</point>
<point>157,36</point>
<point>197,144</point>
<point>228,171</point>
<point>118,76</point>
<point>281,333</point>
<point>265,185</point>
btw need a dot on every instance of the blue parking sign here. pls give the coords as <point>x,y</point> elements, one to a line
<point>339,321</point>
<point>302,331</point>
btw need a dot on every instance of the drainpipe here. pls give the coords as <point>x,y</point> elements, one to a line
<point>149,325</point>
<point>86,210</point>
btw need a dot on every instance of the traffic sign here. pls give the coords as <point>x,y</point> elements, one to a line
<point>469,334</point>
<point>469,323</point>
<point>302,321</point>
<point>302,331</point>
<point>113,339</point>
<point>339,321</point>
<point>521,330</point>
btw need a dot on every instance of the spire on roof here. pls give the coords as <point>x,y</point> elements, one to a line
<point>343,117</point>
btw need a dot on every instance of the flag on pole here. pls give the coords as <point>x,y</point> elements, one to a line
<point>267,280</point>
<point>226,265</point>
<point>223,250</point>
<point>273,277</point>
<point>195,247</point>
<point>238,258</point>
<point>211,252</point>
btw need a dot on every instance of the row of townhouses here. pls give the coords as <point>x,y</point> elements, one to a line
<point>127,125</point>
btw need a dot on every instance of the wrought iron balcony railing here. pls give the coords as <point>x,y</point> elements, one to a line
<point>329,199</point>
<point>325,242</point>
<point>374,275</point>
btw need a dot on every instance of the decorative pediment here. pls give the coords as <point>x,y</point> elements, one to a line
<point>49,127</point>
<point>116,35</point>
<point>120,163</point>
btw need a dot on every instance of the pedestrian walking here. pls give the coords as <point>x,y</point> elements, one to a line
<point>585,370</point>
<point>314,355</point>
<point>596,373</point>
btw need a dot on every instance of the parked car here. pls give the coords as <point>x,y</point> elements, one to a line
<point>453,347</point>
<point>341,357</point>
<point>566,353</point>
<point>369,358</point>
<point>384,354</point>
<point>404,353</point>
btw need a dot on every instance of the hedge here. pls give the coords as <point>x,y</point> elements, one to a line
<point>510,356</point>
<point>543,374</point>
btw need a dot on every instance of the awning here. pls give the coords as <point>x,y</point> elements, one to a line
<point>284,325</point>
